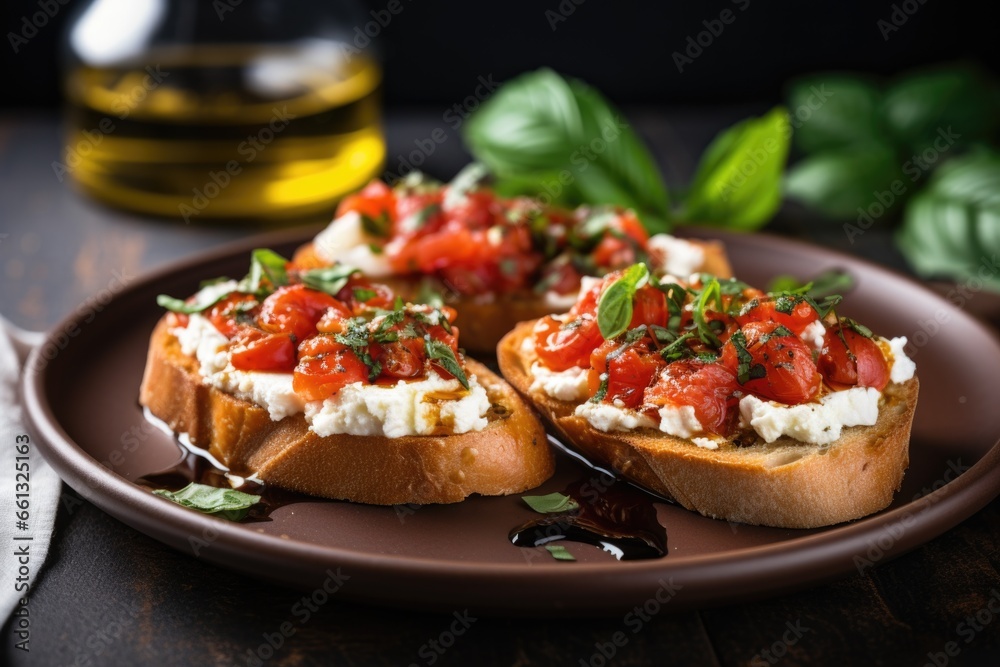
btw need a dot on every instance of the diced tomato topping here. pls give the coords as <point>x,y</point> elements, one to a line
<point>629,371</point>
<point>376,200</point>
<point>256,350</point>
<point>297,309</point>
<point>649,306</point>
<point>781,366</point>
<point>325,367</point>
<point>233,313</point>
<point>849,359</point>
<point>764,309</point>
<point>562,345</point>
<point>709,388</point>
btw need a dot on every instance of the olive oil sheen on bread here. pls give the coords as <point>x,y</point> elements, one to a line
<point>226,132</point>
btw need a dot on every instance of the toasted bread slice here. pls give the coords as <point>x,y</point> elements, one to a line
<point>787,483</point>
<point>483,320</point>
<point>509,456</point>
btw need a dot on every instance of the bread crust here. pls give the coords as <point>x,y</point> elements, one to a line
<point>484,320</point>
<point>785,484</point>
<point>509,456</point>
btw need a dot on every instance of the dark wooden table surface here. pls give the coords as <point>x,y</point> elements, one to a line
<point>112,596</point>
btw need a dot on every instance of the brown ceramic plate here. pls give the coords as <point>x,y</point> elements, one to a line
<point>82,407</point>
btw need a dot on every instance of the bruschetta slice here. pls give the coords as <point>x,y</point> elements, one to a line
<point>324,382</point>
<point>754,407</point>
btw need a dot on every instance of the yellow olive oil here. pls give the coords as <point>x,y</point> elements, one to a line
<point>226,132</point>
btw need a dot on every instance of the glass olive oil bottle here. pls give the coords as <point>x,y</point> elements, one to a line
<point>207,130</point>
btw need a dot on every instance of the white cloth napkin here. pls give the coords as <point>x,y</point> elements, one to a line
<point>22,551</point>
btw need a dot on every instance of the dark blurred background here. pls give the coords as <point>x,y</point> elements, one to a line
<point>434,51</point>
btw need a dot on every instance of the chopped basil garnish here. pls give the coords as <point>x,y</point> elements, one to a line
<point>355,336</point>
<point>227,503</point>
<point>264,264</point>
<point>196,306</point>
<point>857,327</point>
<point>710,292</point>
<point>614,309</point>
<point>417,220</point>
<point>212,281</point>
<point>676,297</point>
<point>677,349</point>
<point>553,503</point>
<point>380,226</point>
<point>445,356</point>
<point>331,279</point>
<point>559,552</point>
<point>746,369</point>
<point>602,390</point>
<point>829,282</point>
<point>364,294</point>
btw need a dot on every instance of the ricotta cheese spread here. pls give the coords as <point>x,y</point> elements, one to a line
<point>408,408</point>
<point>815,423</point>
<point>705,443</point>
<point>679,421</point>
<point>346,241</point>
<point>567,385</point>
<point>903,367</point>
<point>606,417</point>
<point>675,256</point>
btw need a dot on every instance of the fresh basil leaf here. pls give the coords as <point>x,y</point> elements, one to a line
<point>212,281</point>
<point>553,503</point>
<point>710,293</point>
<point>264,264</point>
<point>738,181</point>
<point>958,103</point>
<point>196,306</point>
<point>445,356</point>
<point>857,327</point>
<point>832,281</point>
<point>953,228</point>
<point>746,370</point>
<point>602,389</point>
<point>832,110</point>
<point>542,135</point>
<point>329,279</point>
<point>614,308</point>
<point>559,552</point>
<point>838,183</point>
<point>227,503</point>
<point>364,294</point>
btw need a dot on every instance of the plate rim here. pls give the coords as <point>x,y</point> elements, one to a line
<point>833,549</point>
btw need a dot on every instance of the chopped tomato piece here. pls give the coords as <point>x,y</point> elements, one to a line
<point>564,345</point>
<point>649,306</point>
<point>376,200</point>
<point>403,358</point>
<point>256,350</point>
<point>233,313</point>
<point>780,367</point>
<point>709,388</point>
<point>316,378</point>
<point>849,359</point>
<point>297,309</point>
<point>629,371</point>
<point>800,314</point>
